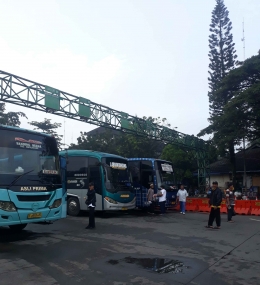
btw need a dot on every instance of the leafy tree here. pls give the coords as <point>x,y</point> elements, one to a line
<point>222,56</point>
<point>240,117</point>
<point>48,128</point>
<point>183,161</point>
<point>10,118</point>
<point>242,112</point>
<point>124,144</point>
<point>105,140</point>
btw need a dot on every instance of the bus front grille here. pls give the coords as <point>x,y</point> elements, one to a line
<point>25,198</point>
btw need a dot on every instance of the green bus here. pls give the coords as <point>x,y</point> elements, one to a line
<point>110,175</point>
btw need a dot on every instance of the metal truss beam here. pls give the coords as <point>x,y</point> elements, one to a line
<point>23,92</point>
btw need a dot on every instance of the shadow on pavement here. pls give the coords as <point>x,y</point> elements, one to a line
<point>7,235</point>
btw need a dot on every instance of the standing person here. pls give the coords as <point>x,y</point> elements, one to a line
<point>150,199</point>
<point>162,199</point>
<point>215,199</point>
<point>230,202</point>
<point>181,196</point>
<point>91,203</point>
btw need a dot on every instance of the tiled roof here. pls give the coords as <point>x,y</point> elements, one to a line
<point>252,158</point>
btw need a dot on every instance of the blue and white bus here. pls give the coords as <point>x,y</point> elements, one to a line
<point>110,176</point>
<point>32,178</point>
<point>145,171</point>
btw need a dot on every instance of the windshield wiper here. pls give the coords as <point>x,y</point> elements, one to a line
<point>17,178</point>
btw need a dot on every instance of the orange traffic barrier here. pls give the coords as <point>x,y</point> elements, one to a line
<point>192,204</point>
<point>178,207</point>
<point>243,207</point>
<point>255,207</point>
<point>223,208</point>
<point>203,205</point>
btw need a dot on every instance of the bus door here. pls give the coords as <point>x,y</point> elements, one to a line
<point>63,169</point>
<point>77,181</point>
<point>135,169</point>
<point>147,174</point>
<point>95,177</point>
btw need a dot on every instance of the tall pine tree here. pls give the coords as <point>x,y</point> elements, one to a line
<point>222,55</point>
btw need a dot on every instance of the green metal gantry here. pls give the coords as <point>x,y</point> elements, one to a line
<point>26,93</point>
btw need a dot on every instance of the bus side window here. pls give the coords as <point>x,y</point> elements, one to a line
<point>77,169</point>
<point>94,174</point>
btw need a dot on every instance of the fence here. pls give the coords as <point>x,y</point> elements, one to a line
<point>242,207</point>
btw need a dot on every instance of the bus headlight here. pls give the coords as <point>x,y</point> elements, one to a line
<point>55,204</point>
<point>7,206</point>
<point>110,200</point>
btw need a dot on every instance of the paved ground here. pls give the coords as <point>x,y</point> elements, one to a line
<point>65,253</point>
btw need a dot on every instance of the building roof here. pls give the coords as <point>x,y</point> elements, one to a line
<point>252,159</point>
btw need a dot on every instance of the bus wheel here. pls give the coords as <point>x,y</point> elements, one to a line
<point>73,206</point>
<point>17,228</point>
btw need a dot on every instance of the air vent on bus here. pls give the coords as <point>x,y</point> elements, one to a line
<point>26,198</point>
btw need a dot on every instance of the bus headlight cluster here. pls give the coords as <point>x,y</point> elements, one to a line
<point>55,204</point>
<point>7,206</point>
<point>111,200</point>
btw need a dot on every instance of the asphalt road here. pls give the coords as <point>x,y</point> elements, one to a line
<point>124,248</point>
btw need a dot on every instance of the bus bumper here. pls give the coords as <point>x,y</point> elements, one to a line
<point>29,212</point>
<point>119,206</point>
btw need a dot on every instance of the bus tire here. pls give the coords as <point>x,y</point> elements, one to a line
<point>73,206</point>
<point>17,228</point>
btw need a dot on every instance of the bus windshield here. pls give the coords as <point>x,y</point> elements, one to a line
<point>22,152</point>
<point>117,176</point>
<point>164,173</point>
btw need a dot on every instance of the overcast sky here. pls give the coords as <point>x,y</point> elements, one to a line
<point>143,57</point>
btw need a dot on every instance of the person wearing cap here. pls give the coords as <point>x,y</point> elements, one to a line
<point>150,199</point>
<point>91,203</point>
<point>215,199</point>
<point>230,202</point>
<point>162,199</point>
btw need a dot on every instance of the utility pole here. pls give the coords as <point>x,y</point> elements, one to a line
<point>64,129</point>
<point>244,144</point>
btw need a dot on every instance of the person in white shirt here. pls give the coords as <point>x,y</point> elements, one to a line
<point>181,196</point>
<point>162,199</point>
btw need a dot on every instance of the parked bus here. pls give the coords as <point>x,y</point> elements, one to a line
<point>145,171</point>
<point>32,178</point>
<point>110,176</point>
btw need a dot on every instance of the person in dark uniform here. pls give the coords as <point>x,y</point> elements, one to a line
<point>230,202</point>
<point>91,203</point>
<point>215,199</point>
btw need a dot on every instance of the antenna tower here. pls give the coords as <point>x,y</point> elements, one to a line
<point>244,41</point>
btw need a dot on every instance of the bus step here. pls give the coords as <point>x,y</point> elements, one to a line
<point>44,223</point>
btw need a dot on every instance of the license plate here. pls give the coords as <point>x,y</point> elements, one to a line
<point>124,196</point>
<point>173,202</point>
<point>34,215</point>
<point>124,209</point>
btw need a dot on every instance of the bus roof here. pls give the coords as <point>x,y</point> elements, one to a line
<point>151,159</point>
<point>4,127</point>
<point>80,152</point>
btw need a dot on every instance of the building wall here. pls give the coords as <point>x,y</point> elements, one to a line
<point>256,181</point>
<point>221,179</point>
